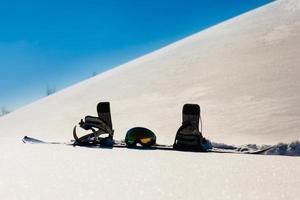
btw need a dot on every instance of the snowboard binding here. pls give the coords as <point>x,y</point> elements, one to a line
<point>188,136</point>
<point>101,127</point>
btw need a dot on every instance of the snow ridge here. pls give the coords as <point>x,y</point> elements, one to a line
<point>284,149</point>
<point>290,149</point>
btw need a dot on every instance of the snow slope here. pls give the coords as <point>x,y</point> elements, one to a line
<point>245,75</point>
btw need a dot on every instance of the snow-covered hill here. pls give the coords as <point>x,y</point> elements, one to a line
<point>244,73</point>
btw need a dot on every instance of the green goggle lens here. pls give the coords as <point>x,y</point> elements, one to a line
<point>140,135</point>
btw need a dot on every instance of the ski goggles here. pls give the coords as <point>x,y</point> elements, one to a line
<point>140,135</point>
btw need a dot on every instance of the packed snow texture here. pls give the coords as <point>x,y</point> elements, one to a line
<point>244,73</point>
<point>63,172</point>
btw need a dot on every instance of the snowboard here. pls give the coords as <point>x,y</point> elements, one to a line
<point>122,144</point>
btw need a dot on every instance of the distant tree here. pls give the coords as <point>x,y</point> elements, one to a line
<point>4,111</point>
<point>94,74</point>
<point>50,90</point>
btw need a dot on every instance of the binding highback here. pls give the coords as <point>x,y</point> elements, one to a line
<point>103,109</point>
<point>188,136</point>
<point>100,126</point>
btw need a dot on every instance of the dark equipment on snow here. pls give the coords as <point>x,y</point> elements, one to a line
<point>140,135</point>
<point>188,136</point>
<point>100,126</point>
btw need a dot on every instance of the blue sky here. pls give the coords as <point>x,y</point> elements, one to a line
<point>58,43</point>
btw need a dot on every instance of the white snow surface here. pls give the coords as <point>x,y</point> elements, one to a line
<point>244,73</point>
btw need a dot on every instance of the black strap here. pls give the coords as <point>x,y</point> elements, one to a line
<point>186,141</point>
<point>98,128</point>
<point>98,125</point>
<point>92,123</point>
